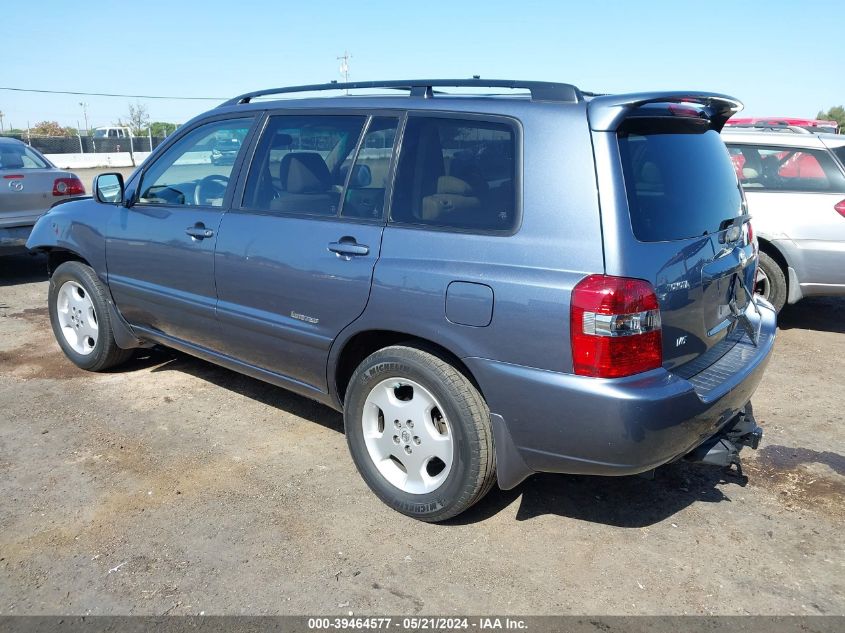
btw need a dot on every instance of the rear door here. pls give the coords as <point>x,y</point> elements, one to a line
<point>673,214</point>
<point>295,262</point>
<point>792,195</point>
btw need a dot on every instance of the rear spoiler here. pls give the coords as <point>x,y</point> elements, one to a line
<point>607,112</point>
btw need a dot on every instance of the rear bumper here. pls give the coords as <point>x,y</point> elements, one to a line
<point>546,421</point>
<point>13,239</point>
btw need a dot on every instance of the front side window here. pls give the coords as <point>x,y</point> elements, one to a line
<point>187,174</point>
<point>20,157</point>
<point>786,168</point>
<point>301,164</point>
<point>456,173</point>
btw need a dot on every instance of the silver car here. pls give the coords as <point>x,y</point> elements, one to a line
<point>795,188</point>
<point>29,185</point>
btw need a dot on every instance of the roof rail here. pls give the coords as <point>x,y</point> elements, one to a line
<point>540,90</point>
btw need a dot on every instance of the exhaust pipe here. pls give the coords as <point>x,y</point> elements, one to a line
<point>723,448</point>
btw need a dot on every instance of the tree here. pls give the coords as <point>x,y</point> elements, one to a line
<point>836,113</point>
<point>139,119</point>
<point>161,128</point>
<point>48,128</point>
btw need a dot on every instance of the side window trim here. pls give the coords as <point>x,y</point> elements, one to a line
<point>137,182</point>
<point>518,137</point>
<point>343,192</point>
<point>401,118</point>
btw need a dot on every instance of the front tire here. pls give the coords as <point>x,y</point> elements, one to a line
<point>770,281</point>
<point>79,314</point>
<point>419,433</point>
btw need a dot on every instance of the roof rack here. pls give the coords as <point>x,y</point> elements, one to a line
<point>540,90</point>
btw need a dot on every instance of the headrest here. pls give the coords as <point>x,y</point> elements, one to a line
<point>454,186</point>
<point>304,172</point>
<point>281,140</point>
<point>650,173</point>
<point>11,160</point>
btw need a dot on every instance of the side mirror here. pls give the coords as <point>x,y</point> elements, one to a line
<point>108,188</point>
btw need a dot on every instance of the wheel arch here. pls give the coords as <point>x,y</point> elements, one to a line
<point>57,256</point>
<point>352,351</point>
<point>776,254</point>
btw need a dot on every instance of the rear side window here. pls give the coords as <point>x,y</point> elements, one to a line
<point>774,168</point>
<point>456,173</point>
<point>679,185</point>
<point>301,164</point>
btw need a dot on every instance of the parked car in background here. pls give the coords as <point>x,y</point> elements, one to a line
<point>29,185</point>
<point>811,125</point>
<point>112,132</point>
<point>441,269</point>
<point>795,188</point>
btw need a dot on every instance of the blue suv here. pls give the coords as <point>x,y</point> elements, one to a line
<point>487,286</point>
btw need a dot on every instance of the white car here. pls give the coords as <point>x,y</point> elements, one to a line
<point>795,188</point>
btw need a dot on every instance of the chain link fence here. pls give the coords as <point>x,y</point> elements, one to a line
<point>78,144</point>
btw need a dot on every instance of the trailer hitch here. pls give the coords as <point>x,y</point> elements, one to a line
<point>723,448</point>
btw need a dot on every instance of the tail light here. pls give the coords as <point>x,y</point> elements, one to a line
<point>840,208</point>
<point>750,232</point>
<point>71,186</point>
<point>615,327</point>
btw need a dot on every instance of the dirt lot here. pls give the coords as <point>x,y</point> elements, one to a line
<point>173,486</point>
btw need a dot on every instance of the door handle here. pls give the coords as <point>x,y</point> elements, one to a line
<point>199,232</point>
<point>348,247</point>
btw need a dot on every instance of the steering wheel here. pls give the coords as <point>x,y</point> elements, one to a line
<point>200,193</point>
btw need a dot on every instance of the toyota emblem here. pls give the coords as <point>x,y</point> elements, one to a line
<point>15,185</point>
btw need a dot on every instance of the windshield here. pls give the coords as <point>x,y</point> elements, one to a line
<point>20,157</point>
<point>679,185</point>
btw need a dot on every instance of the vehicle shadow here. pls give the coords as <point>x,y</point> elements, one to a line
<point>824,314</point>
<point>22,268</point>
<point>162,359</point>
<point>628,502</point>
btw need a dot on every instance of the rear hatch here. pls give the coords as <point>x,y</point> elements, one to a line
<point>683,224</point>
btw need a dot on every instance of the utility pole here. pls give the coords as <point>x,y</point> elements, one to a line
<point>84,107</point>
<point>344,67</point>
<point>1,122</point>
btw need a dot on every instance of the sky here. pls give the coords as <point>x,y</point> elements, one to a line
<point>781,58</point>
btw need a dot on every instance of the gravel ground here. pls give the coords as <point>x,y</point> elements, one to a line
<point>174,486</point>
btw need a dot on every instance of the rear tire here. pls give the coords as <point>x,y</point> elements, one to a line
<point>419,433</point>
<point>771,281</point>
<point>79,314</point>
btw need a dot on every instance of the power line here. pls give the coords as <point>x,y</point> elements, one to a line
<point>107,94</point>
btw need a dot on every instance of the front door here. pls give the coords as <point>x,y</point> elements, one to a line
<point>160,250</point>
<point>294,264</point>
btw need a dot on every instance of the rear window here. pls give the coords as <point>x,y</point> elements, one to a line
<point>772,168</point>
<point>679,185</point>
<point>840,153</point>
<point>20,157</point>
